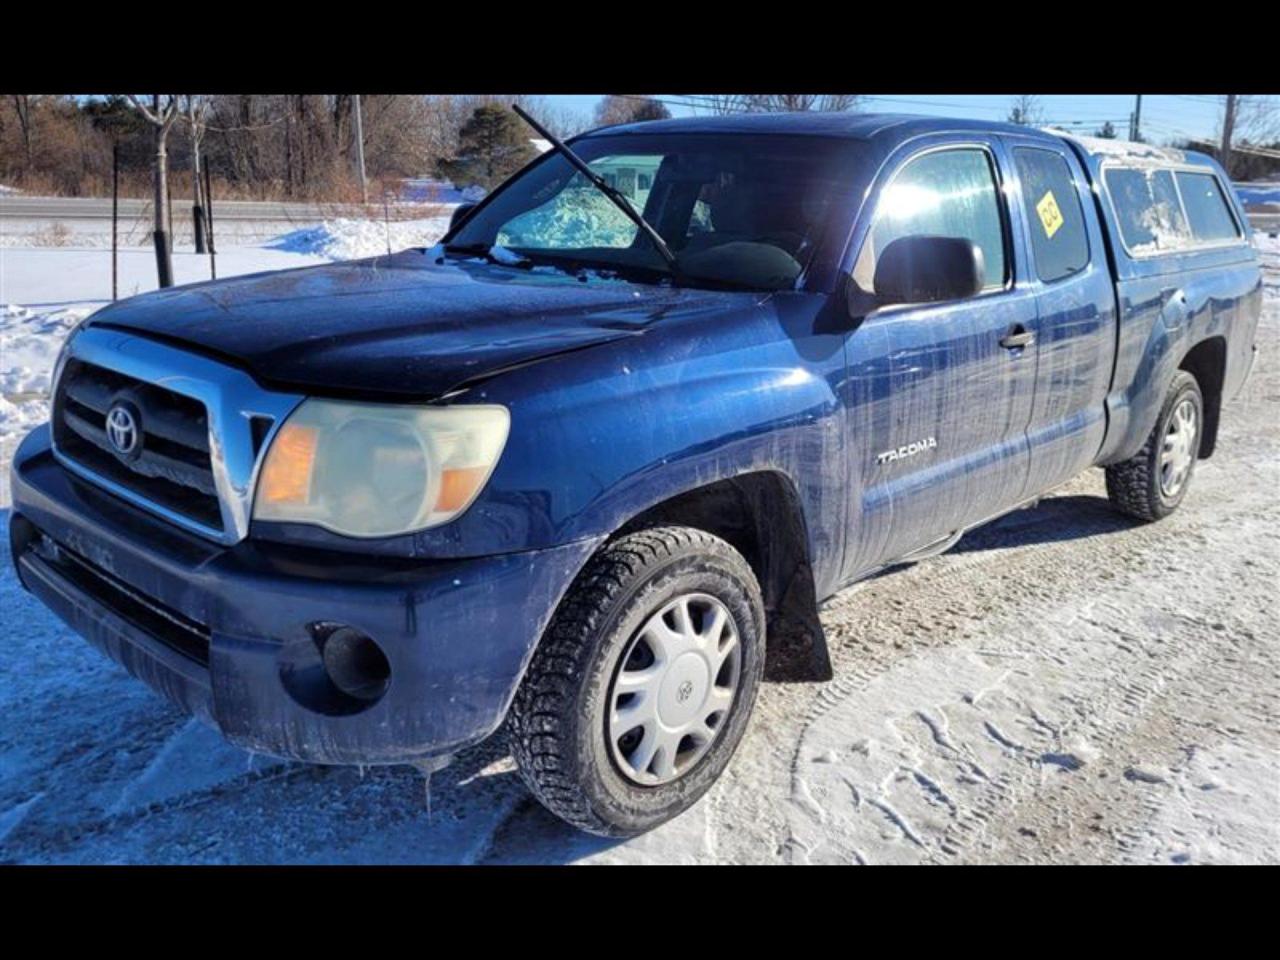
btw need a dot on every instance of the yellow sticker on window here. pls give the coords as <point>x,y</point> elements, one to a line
<point>1050,215</point>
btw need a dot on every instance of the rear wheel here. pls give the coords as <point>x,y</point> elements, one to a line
<point>642,686</point>
<point>1151,484</point>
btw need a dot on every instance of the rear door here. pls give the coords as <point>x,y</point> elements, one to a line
<point>1075,324</point>
<point>940,393</point>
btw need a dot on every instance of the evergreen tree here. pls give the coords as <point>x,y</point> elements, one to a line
<point>492,145</point>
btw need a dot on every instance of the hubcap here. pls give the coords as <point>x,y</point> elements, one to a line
<point>1179,450</point>
<point>673,690</point>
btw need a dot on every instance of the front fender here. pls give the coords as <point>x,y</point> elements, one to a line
<point>598,437</point>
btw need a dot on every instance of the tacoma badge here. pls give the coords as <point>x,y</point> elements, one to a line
<point>910,450</point>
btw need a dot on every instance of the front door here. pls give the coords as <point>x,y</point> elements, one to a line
<point>939,394</point>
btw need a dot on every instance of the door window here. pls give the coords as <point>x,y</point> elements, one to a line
<point>1059,240</point>
<point>950,193</point>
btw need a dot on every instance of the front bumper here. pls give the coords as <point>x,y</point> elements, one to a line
<point>231,634</point>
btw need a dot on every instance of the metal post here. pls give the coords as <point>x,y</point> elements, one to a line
<point>1136,134</point>
<point>364,186</point>
<point>386,220</point>
<point>115,216</point>
<point>168,211</point>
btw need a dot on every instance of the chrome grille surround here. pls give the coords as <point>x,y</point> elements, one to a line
<point>231,398</point>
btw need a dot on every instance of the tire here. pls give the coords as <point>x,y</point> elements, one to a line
<point>1137,486</point>
<point>560,721</point>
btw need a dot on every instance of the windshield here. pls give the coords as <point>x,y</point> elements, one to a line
<point>736,210</point>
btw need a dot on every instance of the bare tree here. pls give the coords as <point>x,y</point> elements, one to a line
<point>162,114</point>
<point>618,108</point>
<point>1248,121</point>
<point>800,102</point>
<point>197,117</point>
<point>722,103</point>
<point>22,105</point>
<point>1258,118</point>
<point>1026,110</point>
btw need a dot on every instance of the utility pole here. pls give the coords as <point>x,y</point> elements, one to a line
<point>364,186</point>
<point>1228,124</point>
<point>1135,120</point>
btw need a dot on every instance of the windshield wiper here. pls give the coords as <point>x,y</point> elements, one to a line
<point>597,181</point>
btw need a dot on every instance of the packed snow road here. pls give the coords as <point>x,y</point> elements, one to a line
<point>1063,686</point>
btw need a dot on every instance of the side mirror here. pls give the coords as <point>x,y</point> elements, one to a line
<point>460,213</point>
<point>928,269</point>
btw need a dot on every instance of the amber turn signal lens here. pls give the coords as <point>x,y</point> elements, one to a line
<point>286,476</point>
<point>457,486</point>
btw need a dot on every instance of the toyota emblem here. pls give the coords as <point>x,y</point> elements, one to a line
<point>122,430</point>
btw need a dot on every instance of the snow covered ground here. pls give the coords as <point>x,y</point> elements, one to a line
<point>1063,686</point>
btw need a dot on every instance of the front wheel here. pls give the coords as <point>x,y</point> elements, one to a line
<point>1151,483</point>
<point>642,686</point>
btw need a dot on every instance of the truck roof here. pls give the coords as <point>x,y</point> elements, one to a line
<point>847,126</point>
<point>901,126</point>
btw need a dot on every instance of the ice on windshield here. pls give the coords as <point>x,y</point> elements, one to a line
<point>744,211</point>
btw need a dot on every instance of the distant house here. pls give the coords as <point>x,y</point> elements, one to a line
<point>630,176</point>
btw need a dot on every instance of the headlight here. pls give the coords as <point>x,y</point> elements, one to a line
<point>372,470</point>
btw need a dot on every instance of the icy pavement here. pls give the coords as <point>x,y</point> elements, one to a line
<point>1063,686</point>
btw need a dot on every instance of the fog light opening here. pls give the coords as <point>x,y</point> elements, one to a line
<point>355,664</point>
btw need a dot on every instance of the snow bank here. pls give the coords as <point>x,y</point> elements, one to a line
<point>344,239</point>
<point>29,345</point>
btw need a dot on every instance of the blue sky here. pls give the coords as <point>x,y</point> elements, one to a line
<point>1164,116</point>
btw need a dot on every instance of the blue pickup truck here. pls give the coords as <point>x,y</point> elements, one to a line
<point>590,466</point>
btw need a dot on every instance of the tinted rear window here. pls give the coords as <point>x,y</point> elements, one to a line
<point>1211,221</point>
<point>1058,237</point>
<point>1148,209</point>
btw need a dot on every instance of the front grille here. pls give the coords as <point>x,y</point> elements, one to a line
<point>172,628</point>
<point>171,467</point>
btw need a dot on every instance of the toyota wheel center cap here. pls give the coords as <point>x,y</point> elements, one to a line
<point>684,689</point>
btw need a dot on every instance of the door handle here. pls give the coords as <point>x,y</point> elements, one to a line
<point>1018,337</point>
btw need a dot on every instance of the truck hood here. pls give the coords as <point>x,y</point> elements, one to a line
<point>401,326</point>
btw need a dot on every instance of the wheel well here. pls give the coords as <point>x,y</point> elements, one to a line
<point>1207,362</point>
<point>759,514</point>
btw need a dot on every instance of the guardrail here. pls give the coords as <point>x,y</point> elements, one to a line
<point>1268,223</point>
